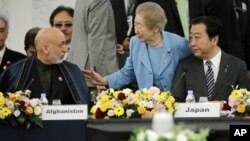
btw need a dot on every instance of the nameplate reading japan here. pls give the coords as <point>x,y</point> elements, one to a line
<point>206,109</point>
<point>65,112</point>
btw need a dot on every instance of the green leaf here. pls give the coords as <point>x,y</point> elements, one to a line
<point>21,119</point>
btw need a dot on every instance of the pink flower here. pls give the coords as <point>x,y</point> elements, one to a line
<point>34,102</point>
<point>131,99</point>
<point>10,104</point>
<point>232,102</point>
<point>26,100</point>
<point>160,107</point>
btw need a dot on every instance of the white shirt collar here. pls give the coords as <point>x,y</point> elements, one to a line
<point>215,60</point>
<point>2,52</point>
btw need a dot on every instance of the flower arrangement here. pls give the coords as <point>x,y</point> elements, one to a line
<point>18,109</point>
<point>178,133</point>
<point>126,104</point>
<point>239,102</point>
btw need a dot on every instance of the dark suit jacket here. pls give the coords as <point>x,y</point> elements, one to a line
<point>242,7</point>
<point>191,76</point>
<point>10,56</point>
<point>121,27</point>
<point>224,10</point>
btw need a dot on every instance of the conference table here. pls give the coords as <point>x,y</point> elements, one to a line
<point>54,130</point>
<point>110,130</point>
<point>120,129</point>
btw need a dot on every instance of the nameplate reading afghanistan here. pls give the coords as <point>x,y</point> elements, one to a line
<point>65,112</point>
<point>206,109</point>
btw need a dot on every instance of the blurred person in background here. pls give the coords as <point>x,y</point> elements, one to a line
<point>7,56</point>
<point>29,41</point>
<point>62,19</point>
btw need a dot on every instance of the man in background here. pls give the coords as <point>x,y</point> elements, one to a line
<point>62,19</point>
<point>7,56</point>
<point>93,40</point>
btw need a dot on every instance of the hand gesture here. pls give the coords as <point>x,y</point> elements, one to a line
<point>95,78</point>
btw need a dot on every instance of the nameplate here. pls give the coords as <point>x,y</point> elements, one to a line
<point>65,112</point>
<point>205,109</point>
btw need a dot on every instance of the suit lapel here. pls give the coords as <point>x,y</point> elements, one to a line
<point>200,73</point>
<point>144,57</point>
<point>222,74</point>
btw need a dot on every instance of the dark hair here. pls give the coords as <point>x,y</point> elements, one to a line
<point>59,9</point>
<point>30,37</point>
<point>213,26</point>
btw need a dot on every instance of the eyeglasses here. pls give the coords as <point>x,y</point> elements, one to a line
<point>60,25</point>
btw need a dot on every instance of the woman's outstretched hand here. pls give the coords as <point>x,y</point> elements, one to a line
<point>95,78</point>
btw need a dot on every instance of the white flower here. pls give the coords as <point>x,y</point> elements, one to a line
<point>127,91</point>
<point>111,90</point>
<point>248,101</point>
<point>19,92</point>
<point>150,104</point>
<point>181,137</point>
<point>129,112</point>
<point>151,135</point>
<point>141,136</point>
<point>27,92</point>
<point>17,113</point>
<point>144,90</point>
<point>37,110</point>
<point>110,113</point>
<point>168,135</point>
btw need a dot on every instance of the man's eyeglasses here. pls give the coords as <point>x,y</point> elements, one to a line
<point>60,25</point>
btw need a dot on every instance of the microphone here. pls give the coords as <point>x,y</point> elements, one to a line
<point>179,80</point>
<point>28,85</point>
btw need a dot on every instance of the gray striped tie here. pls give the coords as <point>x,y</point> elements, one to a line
<point>209,78</point>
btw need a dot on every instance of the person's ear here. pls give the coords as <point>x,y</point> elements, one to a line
<point>45,49</point>
<point>215,40</point>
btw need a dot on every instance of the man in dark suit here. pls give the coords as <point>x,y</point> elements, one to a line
<point>46,72</point>
<point>123,21</point>
<point>225,11</point>
<point>7,56</point>
<point>214,81</point>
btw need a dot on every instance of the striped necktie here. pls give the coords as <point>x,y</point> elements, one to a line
<point>209,78</point>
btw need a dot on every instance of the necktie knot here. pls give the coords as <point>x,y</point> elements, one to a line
<point>208,63</point>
